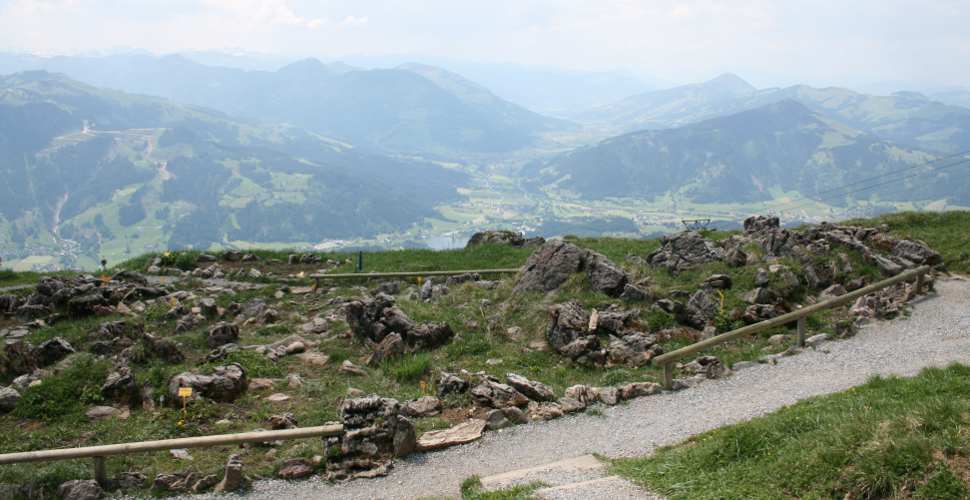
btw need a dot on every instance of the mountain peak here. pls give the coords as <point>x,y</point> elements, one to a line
<point>730,82</point>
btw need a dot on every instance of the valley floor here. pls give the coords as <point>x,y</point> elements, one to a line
<point>937,333</point>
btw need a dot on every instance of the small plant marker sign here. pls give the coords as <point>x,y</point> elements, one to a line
<point>185,393</point>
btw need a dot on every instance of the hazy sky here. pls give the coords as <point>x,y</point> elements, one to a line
<point>771,42</point>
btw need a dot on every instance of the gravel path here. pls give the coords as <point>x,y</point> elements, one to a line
<point>937,334</point>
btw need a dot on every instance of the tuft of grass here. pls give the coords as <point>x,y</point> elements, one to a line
<point>409,369</point>
<point>889,438</point>
<point>255,364</point>
<point>471,489</point>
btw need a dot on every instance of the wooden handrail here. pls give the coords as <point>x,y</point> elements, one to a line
<point>413,274</point>
<point>99,452</point>
<point>799,315</point>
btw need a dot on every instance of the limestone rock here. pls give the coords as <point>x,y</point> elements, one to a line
<point>52,351</point>
<point>496,237</point>
<point>544,411</point>
<point>536,391</point>
<point>708,366</point>
<point>282,421</point>
<point>295,468</point>
<point>225,384</point>
<point>682,251</point>
<point>9,397</point>
<point>556,261</point>
<point>462,433</point>
<point>492,394</point>
<point>121,387</point>
<point>223,333</point>
<point>425,406</point>
<point>233,479</point>
<point>449,383</point>
<point>80,490</point>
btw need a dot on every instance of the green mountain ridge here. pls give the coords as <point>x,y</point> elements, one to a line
<point>92,173</point>
<point>406,109</point>
<point>907,118</point>
<point>742,157</point>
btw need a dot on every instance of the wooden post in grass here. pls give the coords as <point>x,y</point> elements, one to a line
<point>100,474</point>
<point>669,376</point>
<point>801,331</point>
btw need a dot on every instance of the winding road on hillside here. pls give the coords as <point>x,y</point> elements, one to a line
<point>937,334</point>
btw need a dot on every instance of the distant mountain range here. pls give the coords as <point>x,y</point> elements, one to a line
<point>188,154</point>
<point>908,118</point>
<point>412,108</point>
<point>92,172</point>
<point>743,157</point>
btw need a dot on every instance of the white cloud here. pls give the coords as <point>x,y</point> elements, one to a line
<point>264,11</point>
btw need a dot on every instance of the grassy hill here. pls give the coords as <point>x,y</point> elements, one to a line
<point>497,331</point>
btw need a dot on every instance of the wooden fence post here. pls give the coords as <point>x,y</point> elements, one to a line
<point>100,474</point>
<point>801,331</point>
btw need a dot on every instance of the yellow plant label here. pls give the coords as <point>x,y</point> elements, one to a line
<point>185,392</point>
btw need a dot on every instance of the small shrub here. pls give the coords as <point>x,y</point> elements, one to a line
<point>658,320</point>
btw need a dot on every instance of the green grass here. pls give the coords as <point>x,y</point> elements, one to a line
<point>890,438</point>
<point>409,369</point>
<point>9,277</point>
<point>945,232</point>
<point>67,394</point>
<point>471,489</point>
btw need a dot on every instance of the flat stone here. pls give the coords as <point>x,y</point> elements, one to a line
<point>278,397</point>
<point>815,340</point>
<point>352,369</point>
<point>314,358</point>
<point>258,384</point>
<point>101,412</point>
<point>462,433</point>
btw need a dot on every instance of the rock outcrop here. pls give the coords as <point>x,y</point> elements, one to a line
<point>373,320</point>
<point>556,261</point>
<point>374,432</point>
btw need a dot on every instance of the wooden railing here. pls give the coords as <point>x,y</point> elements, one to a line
<point>98,453</point>
<point>410,274</point>
<point>667,360</point>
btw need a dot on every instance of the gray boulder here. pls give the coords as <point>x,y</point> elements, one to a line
<point>682,251</point>
<point>222,334</point>
<point>233,478</point>
<point>491,393</point>
<point>496,237</point>
<point>80,490</point>
<point>556,261</point>
<point>9,397</point>
<point>536,391</point>
<point>52,351</point>
<point>225,384</point>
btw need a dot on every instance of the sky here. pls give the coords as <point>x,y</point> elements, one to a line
<point>820,42</point>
